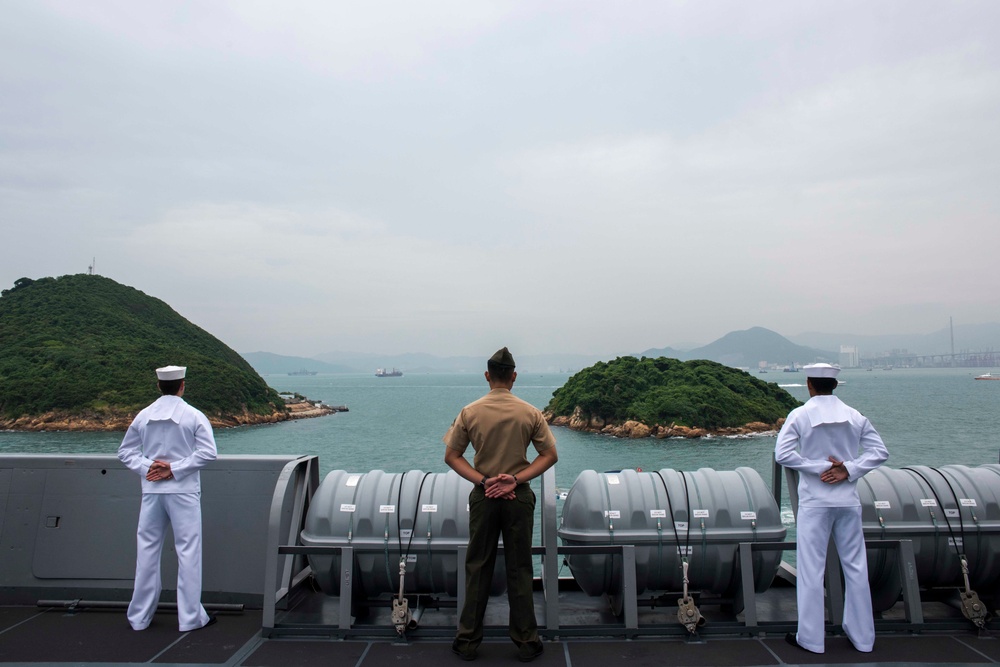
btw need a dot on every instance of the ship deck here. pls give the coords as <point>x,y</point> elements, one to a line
<point>56,636</point>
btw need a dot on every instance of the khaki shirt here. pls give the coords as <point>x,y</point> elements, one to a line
<point>500,426</point>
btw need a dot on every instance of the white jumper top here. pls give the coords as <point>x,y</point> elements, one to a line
<point>825,426</point>
<point>169,430</point>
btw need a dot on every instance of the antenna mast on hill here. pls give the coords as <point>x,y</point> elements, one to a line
<point>951,327</point>
<point>93,265</point>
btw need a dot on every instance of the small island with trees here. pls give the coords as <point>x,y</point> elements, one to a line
<point>664,398</point>
<point>78,353</point>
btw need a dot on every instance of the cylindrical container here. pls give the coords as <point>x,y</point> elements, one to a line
<point>386,517</point>
<point>669,515</point>
<point>945,511</point>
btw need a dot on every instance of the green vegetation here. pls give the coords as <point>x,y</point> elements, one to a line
<point>85,343</point>
<point>698,393</point>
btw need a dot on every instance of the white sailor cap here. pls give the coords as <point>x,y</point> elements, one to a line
<point>171,373</point>
<point>821,370</point>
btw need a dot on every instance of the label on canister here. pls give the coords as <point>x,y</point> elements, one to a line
<point>952,513</point>
<point>613,514</point>
<point>352,480</point>
<point>681,525</point>
<point>699,514</point>
<point>428,508</point>
<point>882,505</point>
<point>748,516</point>
<point>613,479</point>
<point>387,509</point>
<point>658,514</point>
<point>928,502</point>
<point>345,507</point>
<point>955,542</point>
<point>684,551</point>
<point>967,502</point>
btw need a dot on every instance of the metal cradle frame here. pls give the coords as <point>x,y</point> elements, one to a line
<point>287,570</point>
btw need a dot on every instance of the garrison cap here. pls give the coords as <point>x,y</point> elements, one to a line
<point>171,373</point>
<point>503,357</point>
<point>821,370</point>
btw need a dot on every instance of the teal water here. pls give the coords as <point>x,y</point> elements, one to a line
<point>929,417</point>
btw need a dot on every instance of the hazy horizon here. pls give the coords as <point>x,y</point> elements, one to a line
<point>453,177</point>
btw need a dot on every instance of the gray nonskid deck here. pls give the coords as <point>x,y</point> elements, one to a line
<point>57,637</point>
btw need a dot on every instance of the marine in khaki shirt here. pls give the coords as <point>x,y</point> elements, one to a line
<point>500,426</point>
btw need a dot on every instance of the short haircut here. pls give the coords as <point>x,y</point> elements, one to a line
<point>824,385</point>
<point>500,372</point>
<point>169,387</point>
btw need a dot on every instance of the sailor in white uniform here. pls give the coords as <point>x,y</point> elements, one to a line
<point>832,446</point>
<point>168,443</point>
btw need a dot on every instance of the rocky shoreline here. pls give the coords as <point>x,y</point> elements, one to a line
<point>634,429</point>
<point>110,420</point>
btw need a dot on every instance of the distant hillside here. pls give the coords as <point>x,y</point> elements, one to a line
<point>749,347</point>
<point>429,363</point>
<point>80,352</point>
<point>267,363</point>
<point>663,393</point>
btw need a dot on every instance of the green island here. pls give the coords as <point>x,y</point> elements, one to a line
<point>663,398</point>
<point>78,352</point>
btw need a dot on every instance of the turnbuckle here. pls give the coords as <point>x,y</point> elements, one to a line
<point>687,613</point>
<point>400,605</point>
<point>972,607</point>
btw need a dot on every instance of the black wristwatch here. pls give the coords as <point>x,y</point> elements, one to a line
<point>482,482</point>
<point>515,479</point>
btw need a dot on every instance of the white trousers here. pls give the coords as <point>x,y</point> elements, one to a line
<point>183,512</point>
<point>813,526</point>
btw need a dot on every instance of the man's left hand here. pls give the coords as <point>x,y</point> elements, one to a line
<point>501,486</point>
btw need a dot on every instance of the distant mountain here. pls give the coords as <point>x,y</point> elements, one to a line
<point>747,348</point>
<point>267,363</point>
<point>738,349</point>
<point>968,338</point>
<point>668,352</point>
<point>428,363</point>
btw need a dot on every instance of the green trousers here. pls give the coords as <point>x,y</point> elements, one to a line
<point>489,518</point>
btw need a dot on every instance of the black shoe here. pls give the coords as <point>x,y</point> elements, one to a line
<point>790,639</point>
<point>528,652</point>
<point>212,620</point>
<point>471,655</point>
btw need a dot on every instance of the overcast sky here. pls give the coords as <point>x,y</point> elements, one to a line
<point>453,176</point>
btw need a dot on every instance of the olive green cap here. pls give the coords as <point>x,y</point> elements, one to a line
<point>503,357</point>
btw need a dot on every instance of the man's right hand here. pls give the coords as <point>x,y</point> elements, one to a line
<point>837,472</point>
<point>159,471</point>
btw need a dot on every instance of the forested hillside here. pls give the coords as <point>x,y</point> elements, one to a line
<point>86,347</point>
<point>699,394</point>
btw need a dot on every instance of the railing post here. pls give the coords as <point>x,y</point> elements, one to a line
<point>629,594</point>
<point>550,559</point>
<point>749,594</point>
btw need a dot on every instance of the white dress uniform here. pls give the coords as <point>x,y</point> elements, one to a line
<point>823,427</point>
<point>169,430</point>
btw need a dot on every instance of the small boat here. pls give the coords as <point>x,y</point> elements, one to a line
<point>987,376</point>
<point>383,373</point>
<point>303,371</point>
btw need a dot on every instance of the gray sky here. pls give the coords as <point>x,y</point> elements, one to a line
<point>453,176</point>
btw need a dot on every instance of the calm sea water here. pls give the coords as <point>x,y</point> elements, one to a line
<point>930,417</point>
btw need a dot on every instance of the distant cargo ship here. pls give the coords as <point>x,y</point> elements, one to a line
<point>303,371</point>
<point>383,373</point>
